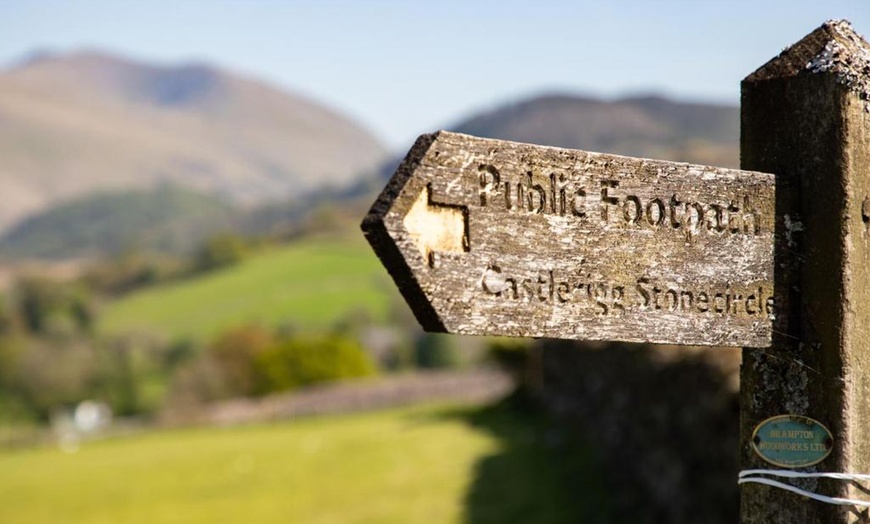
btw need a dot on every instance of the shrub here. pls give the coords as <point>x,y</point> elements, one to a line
<point>220,251</point>
<point>50,308</point>
<point>304,360</point>
<point>131,271</point>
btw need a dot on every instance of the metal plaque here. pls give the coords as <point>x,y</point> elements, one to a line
<point>792,441</point>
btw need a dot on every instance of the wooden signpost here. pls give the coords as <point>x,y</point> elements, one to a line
<point>805,116</point>
<point>487,237</point>
<point>490,237</point>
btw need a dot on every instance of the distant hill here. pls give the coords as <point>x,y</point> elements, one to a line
<point>643,126</point>
<point>166,218</point>
<point>640,126</point>
<point>84,122</point>
<point>647,126</point>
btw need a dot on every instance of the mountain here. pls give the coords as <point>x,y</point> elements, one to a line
<point>647,126</point>
<point>79,123</point>
<point>644,126</point>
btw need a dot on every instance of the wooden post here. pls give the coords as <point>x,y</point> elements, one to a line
<point>806,118</point>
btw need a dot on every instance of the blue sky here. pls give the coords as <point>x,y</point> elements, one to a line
<point>402,68</point>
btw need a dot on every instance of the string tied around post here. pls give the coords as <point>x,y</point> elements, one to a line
<point>759,476</point>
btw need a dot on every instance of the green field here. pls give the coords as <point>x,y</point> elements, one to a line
<point>311,283</point>
<point>424,465</point>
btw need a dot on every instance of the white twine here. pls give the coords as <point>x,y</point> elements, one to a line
<point>751,476</point>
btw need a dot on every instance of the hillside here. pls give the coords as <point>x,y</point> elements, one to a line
<point>311,283</point>
<point>165,218</point>
<point>84,122</point>
<point>648,126</point>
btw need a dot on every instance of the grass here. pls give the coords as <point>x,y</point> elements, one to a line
<point>311,283</point>
<point>416,465</point>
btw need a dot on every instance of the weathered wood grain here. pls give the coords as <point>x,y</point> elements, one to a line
<point>491,237</point>
<point>806,117</point>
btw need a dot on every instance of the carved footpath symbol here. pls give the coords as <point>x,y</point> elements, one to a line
<point>499,238</point>
<point>436,228</point>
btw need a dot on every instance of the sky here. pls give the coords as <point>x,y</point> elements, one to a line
<point>402,68</point>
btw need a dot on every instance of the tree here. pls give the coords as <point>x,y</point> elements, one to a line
<point>235,353</point>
